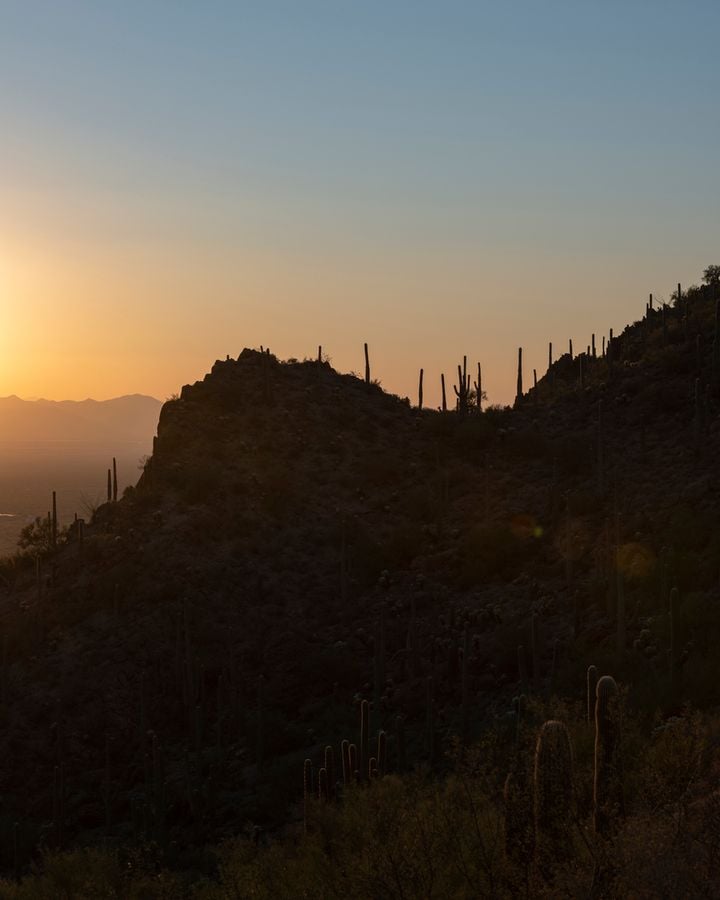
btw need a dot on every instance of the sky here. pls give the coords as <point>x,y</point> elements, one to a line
<point>179,180</point>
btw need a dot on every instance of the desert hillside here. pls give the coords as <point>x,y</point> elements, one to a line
<point>301,542</point>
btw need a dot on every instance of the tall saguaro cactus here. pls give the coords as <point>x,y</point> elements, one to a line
<point>364,737</point>
<point>54,534</point>
<point>674,616</point>
<point>462,391</point>
<point>519,391</point>
<point>347,772</point>
<point>607,782</point>
<point>307,792</point>
<point>478,389</point>
<point>592,680</point>
<point>367,365</point>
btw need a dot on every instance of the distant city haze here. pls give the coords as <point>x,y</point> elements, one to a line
<point>67,447</point>
<point>181,180</point>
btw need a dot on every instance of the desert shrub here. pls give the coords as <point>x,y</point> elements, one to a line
<point>92,874</point>
<point>36,538</point>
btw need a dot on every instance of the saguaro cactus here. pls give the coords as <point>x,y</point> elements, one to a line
<point>400,754</point>
<point>430,718</point>
<point>534,651</point>
<point>307,792</point>
<point>54,535</point>
<point>444,395</point>
<point>379,664</point>
<point>420,390</point>
<point>715,376</point>
<point>465,685</point>
<point>330,770</point>
<point>353,760</point>
<point>591,683</point>
<point>462,391</point>
<point>364,737</point>
<point>114,481</point>
<point>347,772</point>
<point>478,389</point>
<point>382,754</point>
<point>607,783</point>
<point>367,365</point>
<point>674,617</point>
<point>553,794</point>
<point>522,668</point>
<point>519,391</point>
<point>323,790</point>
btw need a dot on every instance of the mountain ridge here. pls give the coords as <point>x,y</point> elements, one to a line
<point>131,417</point>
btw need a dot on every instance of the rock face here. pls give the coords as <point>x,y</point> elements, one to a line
<point>300,541</point>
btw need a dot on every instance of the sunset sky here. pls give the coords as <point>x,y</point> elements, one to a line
<point>181,179</point>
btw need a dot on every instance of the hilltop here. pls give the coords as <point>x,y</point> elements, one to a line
<point>301,540</point>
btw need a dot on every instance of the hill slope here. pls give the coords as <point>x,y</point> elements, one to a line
<point>300,539</point>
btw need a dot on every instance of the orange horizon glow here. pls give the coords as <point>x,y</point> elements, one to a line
<point>114,321</point>
<point>178,184</point>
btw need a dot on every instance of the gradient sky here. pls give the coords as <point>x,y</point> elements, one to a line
<point>181,179</point>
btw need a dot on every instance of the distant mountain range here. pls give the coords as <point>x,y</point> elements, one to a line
<point>130,418</point>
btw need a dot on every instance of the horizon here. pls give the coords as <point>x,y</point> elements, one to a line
<point>80,399</point>
<point>178,183</point>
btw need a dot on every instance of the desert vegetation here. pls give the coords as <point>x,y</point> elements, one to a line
<point>337,643</point>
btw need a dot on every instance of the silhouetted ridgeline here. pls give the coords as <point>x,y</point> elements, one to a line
<point>314,581</point>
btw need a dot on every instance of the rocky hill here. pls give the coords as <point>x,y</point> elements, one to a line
<point>301,540</point>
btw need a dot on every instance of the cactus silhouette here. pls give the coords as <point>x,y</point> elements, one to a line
<point>307,791</point>
<point>592,679</point>
<point>330,770</point>
<point>323,790</point>
<point>364,737</point>
<point>347,772</point>
<point>353,760</point>
<point>607,783</point>
<point>382,754</point>
<point>553,795</point>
